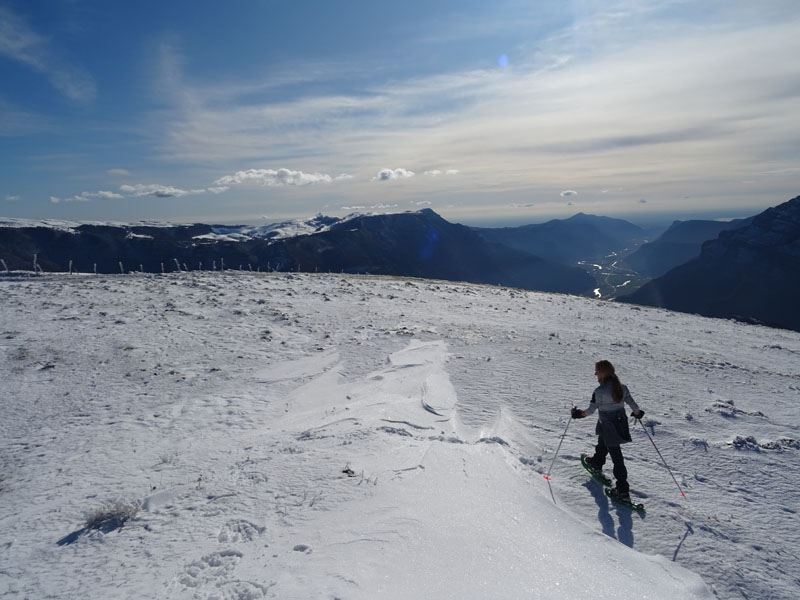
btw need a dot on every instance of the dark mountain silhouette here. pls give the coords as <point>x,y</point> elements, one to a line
<point>751,273</point>
<point>422,244</point>
<point>417,244</point>
<point>568,241</point>
<point>104,247</point>
<point>677,245</point>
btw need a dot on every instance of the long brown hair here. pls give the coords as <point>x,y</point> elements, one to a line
<point>606,370</point>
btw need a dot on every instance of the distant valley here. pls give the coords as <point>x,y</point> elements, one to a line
<point>751,273</point>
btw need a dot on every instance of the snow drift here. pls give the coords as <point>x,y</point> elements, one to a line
<point>296,436</point>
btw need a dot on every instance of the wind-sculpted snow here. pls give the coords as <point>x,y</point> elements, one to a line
<point>303,436</point>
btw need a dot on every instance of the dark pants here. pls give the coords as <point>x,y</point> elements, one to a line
<point>620,472</point>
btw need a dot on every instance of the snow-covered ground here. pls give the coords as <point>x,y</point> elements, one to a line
<point>72,226</point>
<point>227,233</point>
<point>324,436</point>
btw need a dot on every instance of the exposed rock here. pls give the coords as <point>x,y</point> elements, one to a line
<point>679,244</point>
<point>751,273</point>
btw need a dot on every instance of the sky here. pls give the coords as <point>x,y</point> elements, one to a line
<point>257,110</point>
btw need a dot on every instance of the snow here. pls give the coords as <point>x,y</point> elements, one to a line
<point>219,233</point>
<point>276,231</point>
<point>68,226</point>
<point>72,226</point>
<point>325,436</point>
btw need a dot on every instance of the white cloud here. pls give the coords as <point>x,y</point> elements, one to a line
<point>390,174</point>
<point>87,197</point>
<point>373,207</point>
<point>136,191</point>
<point>566,193</point>
<point>281,177</point>
<point>119,172</point>
<point>159,191</point>
<point>12,198</point>
<point>19,42</point>
<point>105,195</point>
<point>437,172</point>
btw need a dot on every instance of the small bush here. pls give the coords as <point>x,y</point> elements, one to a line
<point>113,514</point>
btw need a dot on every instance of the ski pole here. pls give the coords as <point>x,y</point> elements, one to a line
<point>563,435</point>
<point>662,458</point>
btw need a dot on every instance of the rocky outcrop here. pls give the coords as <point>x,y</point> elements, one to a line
<point>679,244</point>
<point>751,273</point>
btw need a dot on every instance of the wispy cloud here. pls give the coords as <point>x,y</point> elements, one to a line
<point>87,196</point>
<point>359,207</point>
<point>15,121</point>
<point>695,91</point>
<point>437,172</point>
<point>132,191</point>
<point>280,177</point>
<point>566,193</point>
<point>104,195</point>
<point>627,95</point>
<point>159,191</point>
<point>19,42</point>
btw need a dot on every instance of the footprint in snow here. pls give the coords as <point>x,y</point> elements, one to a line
<point>214,568</point>
<point>238,530</point>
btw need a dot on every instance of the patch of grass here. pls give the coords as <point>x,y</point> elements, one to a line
<point>113,514</point>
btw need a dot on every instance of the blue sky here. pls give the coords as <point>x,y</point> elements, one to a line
<point>250,110</point>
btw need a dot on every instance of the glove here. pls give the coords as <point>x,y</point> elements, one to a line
<point>577,413</point>
<point>637,414</point>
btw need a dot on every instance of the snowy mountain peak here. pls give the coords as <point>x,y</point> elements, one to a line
<point>273,231</point>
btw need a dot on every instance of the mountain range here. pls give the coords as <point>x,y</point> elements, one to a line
<point>746,269</point>
<point>677,245</point>
<point>414,244</point>
<point>750,273</point>
<point>568,241</point>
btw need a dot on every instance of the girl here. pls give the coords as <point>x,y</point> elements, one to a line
<point>609,401</point>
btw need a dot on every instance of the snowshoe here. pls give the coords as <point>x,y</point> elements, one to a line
<point>596,474</point>
<point>623,499</point>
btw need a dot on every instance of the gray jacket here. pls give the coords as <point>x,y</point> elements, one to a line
<point>612,422</point>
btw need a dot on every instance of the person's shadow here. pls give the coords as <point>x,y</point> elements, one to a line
<point>624,532</point>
